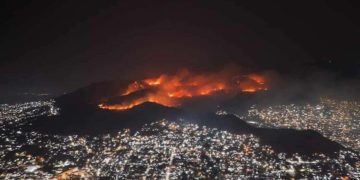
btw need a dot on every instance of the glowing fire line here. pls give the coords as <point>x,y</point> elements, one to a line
<point>169,90</point>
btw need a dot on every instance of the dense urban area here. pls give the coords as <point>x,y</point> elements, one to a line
<point>336,120</point>
<point>182,150</point>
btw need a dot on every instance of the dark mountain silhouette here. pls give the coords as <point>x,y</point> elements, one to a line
<point>282,140</point>
<point>79,114</point>
<point>94,121</point>
<point>88,96</point>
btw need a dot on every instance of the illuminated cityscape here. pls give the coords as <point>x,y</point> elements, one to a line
<point>160,150</point>
<point>179,90</point>
<point>337,120</point>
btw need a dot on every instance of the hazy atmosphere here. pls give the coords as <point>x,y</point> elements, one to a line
<point>179,90</point>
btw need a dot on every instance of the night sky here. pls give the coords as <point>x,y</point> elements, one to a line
<point>58,46</point>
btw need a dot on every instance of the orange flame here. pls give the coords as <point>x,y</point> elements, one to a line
<point>168,90</point>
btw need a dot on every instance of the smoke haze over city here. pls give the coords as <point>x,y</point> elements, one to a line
<point>179,90</point>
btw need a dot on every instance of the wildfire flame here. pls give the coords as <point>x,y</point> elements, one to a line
<point>168,90</point>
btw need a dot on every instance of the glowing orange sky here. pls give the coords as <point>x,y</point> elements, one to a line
<point>168,90</point>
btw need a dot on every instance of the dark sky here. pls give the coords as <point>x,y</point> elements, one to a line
<point>57,46</point>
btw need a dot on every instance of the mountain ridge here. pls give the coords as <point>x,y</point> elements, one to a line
<point>79,114</point>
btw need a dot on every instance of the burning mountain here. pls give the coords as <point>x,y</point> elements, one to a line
<point>170,90</point>
<point>79,112</point>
